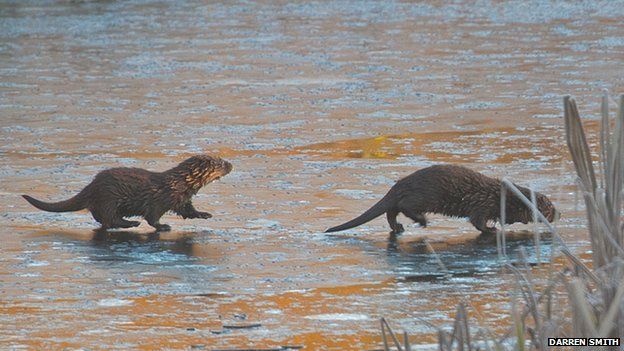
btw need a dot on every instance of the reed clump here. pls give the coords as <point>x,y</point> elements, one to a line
<point>578,300</point>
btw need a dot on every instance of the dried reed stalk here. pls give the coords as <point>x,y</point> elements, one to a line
<point>604,210</point>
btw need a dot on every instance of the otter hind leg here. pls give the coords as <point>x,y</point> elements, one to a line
<point>416,217</point>
<point>122,223</point>
<point>481,224</point>
<point>109,217</point>
<point>397,228</point>
<point>103,217</point>
<point>98,217</point>
<point>111,222</point>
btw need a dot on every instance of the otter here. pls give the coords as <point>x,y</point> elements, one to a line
<point>123,192</point>
<point>453,191</point>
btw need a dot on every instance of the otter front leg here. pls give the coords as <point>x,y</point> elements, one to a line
<point>188,211</point>
<point>397,228</point>
<point>481,224</point>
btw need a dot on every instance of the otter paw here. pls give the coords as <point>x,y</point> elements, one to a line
<point>398,229</point>
<point>163,228</point>
<point>204,215</point>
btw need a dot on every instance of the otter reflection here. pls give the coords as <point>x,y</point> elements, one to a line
<point>424,259</point>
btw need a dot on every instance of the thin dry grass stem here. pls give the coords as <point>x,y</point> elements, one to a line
<point>605,133</point>
<point>579,264</point>
<point>547,293</point>
<point>460,333</point>
<point>444,342</point>
<point>406,342</point>
<point>383,335</point>
<point>536,234</point>
<point>500,235</point>
<point>436,256</point>
<point>425,322</point>
<point>519,326</point>
<point>526,288</point>
<point>552,275</point>
<point>576,198</point>
<point>464,327</point>
<point>577,144</point>
<point>608,322</point>
<point>483,330</point>
<point>583,318</point>
<point>600,229</point>
<point>615,167</point>
<point>527,278</point>
<point>384,326</point>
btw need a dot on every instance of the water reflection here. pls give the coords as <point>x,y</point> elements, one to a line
<point>424,260</point>
<point>153,248</point>
<point>148,248</point>
<point>433,258</point>
<point>104,236</point>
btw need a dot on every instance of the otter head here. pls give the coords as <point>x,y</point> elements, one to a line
<point>517,211</point>
<point>547,208</point>
<point>200,170</point>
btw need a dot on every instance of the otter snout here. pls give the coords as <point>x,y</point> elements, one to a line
<point>228,167</point>
<point>551,214</point>
<point>554,215</point>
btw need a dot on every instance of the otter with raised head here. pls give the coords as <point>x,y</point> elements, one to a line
<point>453,191</point>
<point>124,192</point>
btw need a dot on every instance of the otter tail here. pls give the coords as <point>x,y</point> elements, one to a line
<point>76,203</point>
<point>377,210</point>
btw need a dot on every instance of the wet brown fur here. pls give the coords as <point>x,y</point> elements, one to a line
<point>124,192</point>
<point>452,191</point>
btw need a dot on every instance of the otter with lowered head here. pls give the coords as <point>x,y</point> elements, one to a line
<point>453,191</point>
<point>124,192</point>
